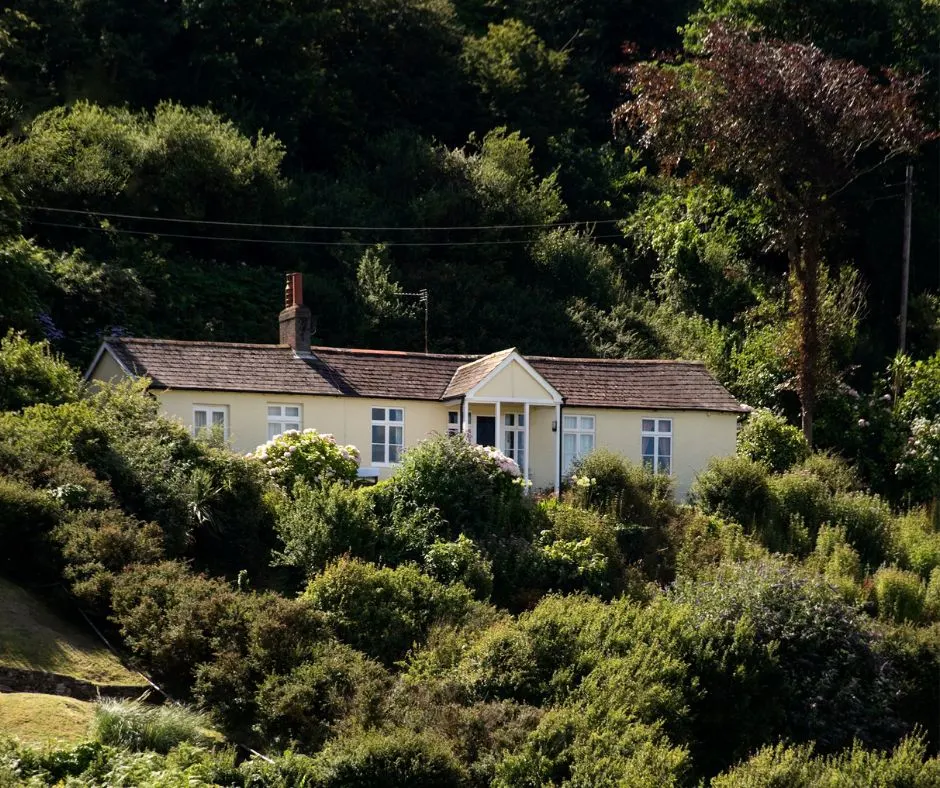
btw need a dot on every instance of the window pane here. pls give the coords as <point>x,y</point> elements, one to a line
<point>567,461</point>
<point>218,417</point>
<point>508,419</point>
<point>378,452</point>
<point>199,419</point>
<point>274,429</point>
<point>522,419</point>
<point>520,440</point>
<point>586,444</point>
<point>394,453</point>
<point>378,414</point>
<point>665,447</point>
<point>664,465</point>
<point>510,441</point>
<point>520,458</point>
<point>453,417</point>
<point>569,444</point>
<point>396,414</point>
<point>378,433</point>
<point>587,423</point>
<point>649,425</point>
<point>274,410</point>
<point>292,410</point>
<point>665,425</point>
<point>292,425</point>
<point>395,435</point>
<point>648,463</point>
<point>649,445</point>
<point>571,422</point>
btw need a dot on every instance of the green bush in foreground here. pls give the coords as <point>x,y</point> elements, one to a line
<point>31,373</point>
<point>136,726</point>
<point>900,595</point>
<point>768,439</point>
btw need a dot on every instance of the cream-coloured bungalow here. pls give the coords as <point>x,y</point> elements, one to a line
<point>543,412</point>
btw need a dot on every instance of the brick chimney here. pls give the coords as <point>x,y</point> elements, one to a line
<point>296,320</point>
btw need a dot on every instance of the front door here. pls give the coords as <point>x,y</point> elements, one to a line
<point>486,430</point>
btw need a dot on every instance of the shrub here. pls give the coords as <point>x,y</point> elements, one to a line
<point>801,767</point>
<point>320,523</point>
<point>628,492</point>
<point>97,544</point>
<point>136,726</point>
<point>768,439</point>
<point>308,456</point>
<point>384,612</point>
<point>395,758</point>
<point>932,596</point>
<point>26,518</point>
<point>298,710</point>
<point>580,550</point>
<point>31,373</point>
<point>459,488</point>
<point>915,542</point>
<point>900,595</point>
<point>867,520</point>
<point>833,471</point>
<point>734,488</point>
<point>173,619</point>
<point>707,540</point>
<point>779,655</point>
<point>801,506</point>
<point>837,561</point>
<point>460,562</point>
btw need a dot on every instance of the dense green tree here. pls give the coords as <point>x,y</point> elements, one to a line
<point>796,126</point>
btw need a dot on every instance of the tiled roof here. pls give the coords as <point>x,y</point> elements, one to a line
<point>635,383</point>
<point>274,369</point>
<point>469,375</point>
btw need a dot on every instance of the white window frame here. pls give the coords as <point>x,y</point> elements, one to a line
<point>282,420</point>
<point>387,423</point>
<point>580,429</point>
<point>662,428</point>
<point>210,411</point>
<point>514,425</point>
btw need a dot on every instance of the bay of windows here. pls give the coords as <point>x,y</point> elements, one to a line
<point>388,435</point>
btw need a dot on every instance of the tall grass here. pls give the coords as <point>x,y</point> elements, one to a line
<point>137,726</point>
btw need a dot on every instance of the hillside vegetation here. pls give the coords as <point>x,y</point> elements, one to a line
<point>709,179</point>
<point>446,628</point>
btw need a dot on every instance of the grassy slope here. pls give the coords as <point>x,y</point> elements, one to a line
<point>33,637</point>
<point>43,719</point>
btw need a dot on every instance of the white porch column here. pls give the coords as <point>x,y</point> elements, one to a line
<point>525,461</point>
<point>558,438</point>
<point>465,423</point>
<point>499,429</point>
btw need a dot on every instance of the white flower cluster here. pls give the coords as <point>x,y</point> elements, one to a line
<point>583,481</point>
<point>504,463</point>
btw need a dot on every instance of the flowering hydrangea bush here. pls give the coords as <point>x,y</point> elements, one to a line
<point>920,462</point>
<point>494,458</point>
<point>307,456</point>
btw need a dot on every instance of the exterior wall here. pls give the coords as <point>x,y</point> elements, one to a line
<point>697,436</point>
<point>348,418</point>
<point>108,370</point>
<point>513,382</point>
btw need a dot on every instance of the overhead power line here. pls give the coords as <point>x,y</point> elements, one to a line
<point>286,242</point>
<point>139,217</point>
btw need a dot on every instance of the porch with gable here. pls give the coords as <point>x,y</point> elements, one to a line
<point>504,402</point>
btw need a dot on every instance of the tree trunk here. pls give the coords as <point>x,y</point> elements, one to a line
<point>806,302</point>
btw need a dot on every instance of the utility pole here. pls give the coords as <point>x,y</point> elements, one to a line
<point>906,254</point>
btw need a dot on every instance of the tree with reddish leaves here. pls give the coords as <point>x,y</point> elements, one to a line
<point>796,127</point>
